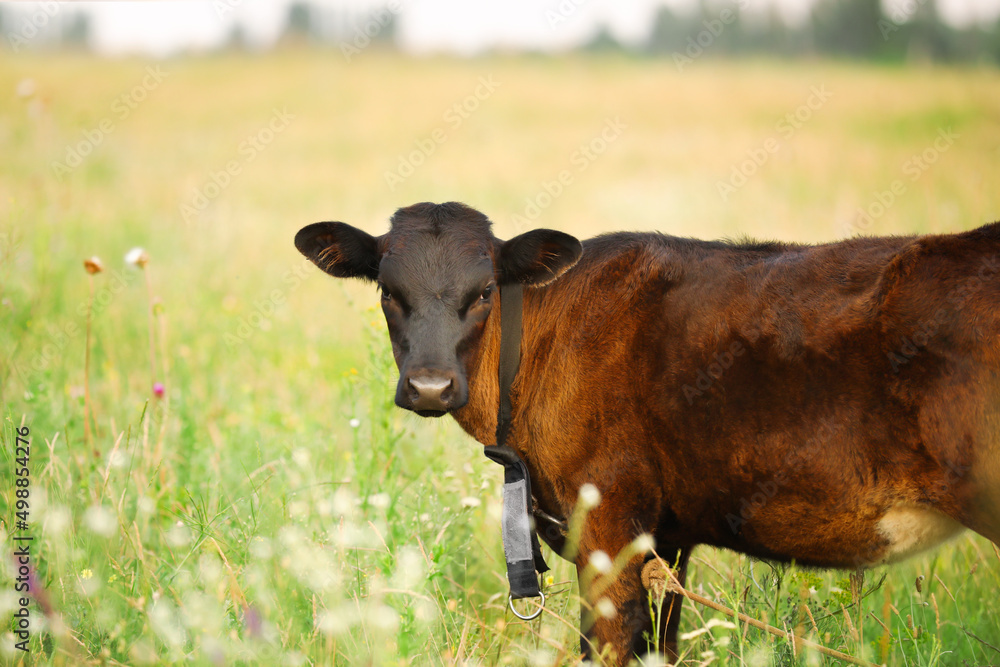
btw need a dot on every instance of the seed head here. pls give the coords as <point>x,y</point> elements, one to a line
<point>601,561</point>
<point>589,496</point>
<point>137,257</point>
<point>644,543</point>
<point>93,265</point>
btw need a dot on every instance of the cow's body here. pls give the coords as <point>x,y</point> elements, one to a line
<point>836,405</point>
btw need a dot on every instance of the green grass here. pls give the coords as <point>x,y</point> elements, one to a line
<point>243,519</point>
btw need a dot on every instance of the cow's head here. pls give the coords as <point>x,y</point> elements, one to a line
<point>437,269</point>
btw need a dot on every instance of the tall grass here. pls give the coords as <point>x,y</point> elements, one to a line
<point>274,507</point>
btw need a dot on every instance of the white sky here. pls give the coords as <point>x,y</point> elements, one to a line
<point>456,26</point>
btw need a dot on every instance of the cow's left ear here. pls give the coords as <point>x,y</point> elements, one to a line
<point>537,257</point>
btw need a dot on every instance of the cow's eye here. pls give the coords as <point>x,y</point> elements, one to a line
<point>385,293</point>
<point>487,293</point>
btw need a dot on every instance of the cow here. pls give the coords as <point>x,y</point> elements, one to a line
<point>835,405</point>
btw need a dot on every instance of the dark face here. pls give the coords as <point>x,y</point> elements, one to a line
<point>436,294</point>
<point>438,271</point>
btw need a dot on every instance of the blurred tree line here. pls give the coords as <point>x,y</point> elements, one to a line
<point>346,28</point>
<point>839,28</point>
<point>860,29</point>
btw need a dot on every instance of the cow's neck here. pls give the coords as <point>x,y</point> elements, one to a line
<point>479,416</point>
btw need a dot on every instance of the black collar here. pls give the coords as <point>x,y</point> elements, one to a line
<point>520,542</point>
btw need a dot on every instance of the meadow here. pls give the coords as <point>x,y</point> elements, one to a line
<point>272,507</point>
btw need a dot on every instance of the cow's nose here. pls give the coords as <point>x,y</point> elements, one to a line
<point>431,394</point>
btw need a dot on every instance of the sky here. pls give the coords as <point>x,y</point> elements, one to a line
<point>464,27</point>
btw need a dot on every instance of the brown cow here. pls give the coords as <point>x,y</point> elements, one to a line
<point>837,405</point>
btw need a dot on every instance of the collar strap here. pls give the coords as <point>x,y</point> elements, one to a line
<point>520,542</point>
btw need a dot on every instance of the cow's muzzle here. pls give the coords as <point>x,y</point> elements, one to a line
<point>430,395</point>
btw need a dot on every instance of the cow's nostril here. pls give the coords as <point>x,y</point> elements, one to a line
<point>430,393</point>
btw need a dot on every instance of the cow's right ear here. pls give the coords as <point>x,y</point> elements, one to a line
<point>537,257</point>
<point>340,250</point>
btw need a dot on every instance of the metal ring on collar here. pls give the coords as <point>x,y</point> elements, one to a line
<point>529,617</point>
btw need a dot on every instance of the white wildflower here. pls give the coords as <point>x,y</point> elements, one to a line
<point>425,611</point>
<point>145,505</point>
<point>137,257</point>
<point>541,658</point>
<point>601,561</point>
<point>209,569</point>
<point>324,507</point>
<point>336,621</point>
<point>409,569</point>
<point>384,617</point>
<point>712,623</point>
<point>606,608</point>
<point>720,623</point>
<point>301,457</point>
<point>343,502</point>
<point>644,543</point>
<point>117,459</point>
<point>163,619</point>
<point>57,520</point>
<point>26,87</point>
<point>590,497</point>
<point>8,601</point>
<point>260,547</point>
<point>93,265</point>
<point>298,509</point>
<point>100,520</point>
<point>178,536</point>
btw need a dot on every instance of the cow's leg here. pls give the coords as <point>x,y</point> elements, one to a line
<point>626,626</point>
<point>618,618</point>
<point>670,610</point>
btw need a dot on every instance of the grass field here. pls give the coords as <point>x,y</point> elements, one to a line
<point>273,508</point>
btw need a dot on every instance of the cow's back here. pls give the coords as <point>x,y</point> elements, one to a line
<point>763,385</point>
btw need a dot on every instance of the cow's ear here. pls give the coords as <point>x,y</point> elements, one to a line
<point>340,250</point>
<point>537,257</point>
